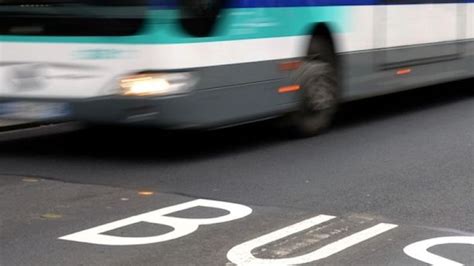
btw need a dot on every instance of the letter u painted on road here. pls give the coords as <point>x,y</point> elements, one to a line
<point>242,254</point>
<point>181,226</point>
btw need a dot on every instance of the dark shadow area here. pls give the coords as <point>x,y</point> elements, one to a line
<point>152,145</point>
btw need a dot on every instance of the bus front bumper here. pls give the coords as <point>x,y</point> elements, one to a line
<point>203,109</point>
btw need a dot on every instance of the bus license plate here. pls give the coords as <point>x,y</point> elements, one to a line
<point>34,110</point>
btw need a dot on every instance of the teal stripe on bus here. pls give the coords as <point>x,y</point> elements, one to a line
<point>236,24</point>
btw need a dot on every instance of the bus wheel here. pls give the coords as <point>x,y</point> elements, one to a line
<point>318,81</point>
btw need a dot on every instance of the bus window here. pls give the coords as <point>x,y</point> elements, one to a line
<point>71,17</point>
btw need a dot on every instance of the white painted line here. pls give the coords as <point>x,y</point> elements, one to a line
<point>181,226</point>
<point>419,250</point>
<point>242,254</point>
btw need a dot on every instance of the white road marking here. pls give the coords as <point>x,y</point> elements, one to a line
<point>242,254</point>
<point>181,226</point>
<point>419,250</point>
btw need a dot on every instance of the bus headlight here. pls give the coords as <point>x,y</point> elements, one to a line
<point>160,84</point>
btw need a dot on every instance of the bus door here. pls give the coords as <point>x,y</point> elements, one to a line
<point>420,32</point>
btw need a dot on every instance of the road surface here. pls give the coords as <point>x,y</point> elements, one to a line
<point>391,183</point>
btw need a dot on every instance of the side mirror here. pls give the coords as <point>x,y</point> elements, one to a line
<point>199,17</point>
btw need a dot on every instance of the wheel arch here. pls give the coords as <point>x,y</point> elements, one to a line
<point>322,30</point>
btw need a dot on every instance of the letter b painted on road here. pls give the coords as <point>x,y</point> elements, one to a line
<point>181,226</point>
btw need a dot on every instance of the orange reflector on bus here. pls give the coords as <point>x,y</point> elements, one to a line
<point>289,66</point>
<point>291,88</point>
<point>404,71</point>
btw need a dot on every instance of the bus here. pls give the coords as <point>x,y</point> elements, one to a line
<point>184,64</point>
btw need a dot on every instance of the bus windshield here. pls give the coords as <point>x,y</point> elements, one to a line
<point>71,17</point>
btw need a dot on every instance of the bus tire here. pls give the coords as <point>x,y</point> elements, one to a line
<point>318,81</point>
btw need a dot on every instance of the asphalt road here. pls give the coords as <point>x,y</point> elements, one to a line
<point>392,171</point>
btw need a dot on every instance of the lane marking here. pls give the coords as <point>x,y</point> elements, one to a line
<point>242,254</point>
<point>419,250</point>
<point>181,226</point>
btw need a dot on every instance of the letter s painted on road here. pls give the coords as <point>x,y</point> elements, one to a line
<point>419,250</point>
